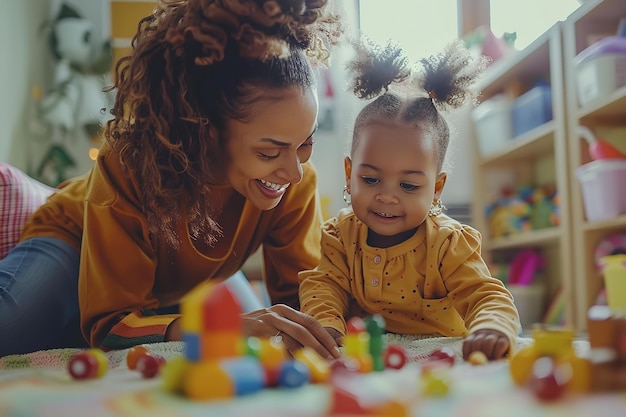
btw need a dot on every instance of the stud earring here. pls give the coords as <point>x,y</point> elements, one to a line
<point>346,196</point>
<point>436,208</point>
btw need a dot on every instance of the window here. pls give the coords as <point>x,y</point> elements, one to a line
<point>425,26</point>
<point>421,27</point>
<point>528,18</point>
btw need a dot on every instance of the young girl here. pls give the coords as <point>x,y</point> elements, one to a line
<point>394,252</point>
<point>205,161</point>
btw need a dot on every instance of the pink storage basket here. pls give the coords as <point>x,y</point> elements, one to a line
<point>603,185</point>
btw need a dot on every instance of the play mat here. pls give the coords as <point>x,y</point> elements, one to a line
<point>39,385</point>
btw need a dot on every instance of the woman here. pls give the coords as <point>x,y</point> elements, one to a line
<point>205,159</point>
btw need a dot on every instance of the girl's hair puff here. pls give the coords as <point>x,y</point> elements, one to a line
<point>414,95</point>
<point>194,65</point>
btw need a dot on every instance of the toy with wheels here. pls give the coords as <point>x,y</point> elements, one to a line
<point>88,364</point>
<point>550,366</point>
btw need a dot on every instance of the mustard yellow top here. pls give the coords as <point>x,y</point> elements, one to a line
<point>126,273</point>
<point>435,283</point>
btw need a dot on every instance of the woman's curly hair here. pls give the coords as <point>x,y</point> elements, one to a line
<point>195,64</point>
<point>413,94</point>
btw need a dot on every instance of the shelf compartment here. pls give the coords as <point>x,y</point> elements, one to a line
<point>540,237</point>
<point>533,143</point>
<point>608,111</point>
<point>605,225</point>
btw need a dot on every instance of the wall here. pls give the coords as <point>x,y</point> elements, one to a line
<point>458,164</point>
<point>23,142</point>
<point>24,63</point>
<point>332,145</point>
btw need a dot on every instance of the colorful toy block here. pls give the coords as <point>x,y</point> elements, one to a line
<point>216,350</point>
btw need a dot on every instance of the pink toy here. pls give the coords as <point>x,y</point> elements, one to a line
<point>524,266</point>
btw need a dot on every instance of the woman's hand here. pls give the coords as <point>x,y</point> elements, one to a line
<point>174,332</point>
<point>295,328</point>
<point>337,337</point>
<point>493,343</point>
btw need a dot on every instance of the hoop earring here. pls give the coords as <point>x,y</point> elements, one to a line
<point>346,196</point>
<point>436,208</point>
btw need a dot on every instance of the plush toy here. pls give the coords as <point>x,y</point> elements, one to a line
<point>76,104</point>
<point>483,41</point>
<point>523,209</point>
<point>510,214</point>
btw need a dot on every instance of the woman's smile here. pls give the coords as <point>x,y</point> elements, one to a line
<point>272,190</point>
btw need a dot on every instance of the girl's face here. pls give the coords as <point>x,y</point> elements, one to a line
<point>393,179</point>
<point>266,152</point>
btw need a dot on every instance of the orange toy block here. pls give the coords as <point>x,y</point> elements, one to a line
<point>318,366</point>
<point>220,345</point>
<point>272,353</point>
<point>208,381</point>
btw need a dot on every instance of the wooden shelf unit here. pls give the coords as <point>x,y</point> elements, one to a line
<point>556,147</point>
<point>603,116</point>
<point>536,157</point>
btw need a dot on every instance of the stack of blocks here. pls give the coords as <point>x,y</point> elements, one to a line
<point>219,362</point>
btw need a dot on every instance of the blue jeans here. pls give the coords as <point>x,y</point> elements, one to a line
<point>39,297</point>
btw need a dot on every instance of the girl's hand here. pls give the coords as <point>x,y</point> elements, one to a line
<point>493,343</point>
<point>294,327</point>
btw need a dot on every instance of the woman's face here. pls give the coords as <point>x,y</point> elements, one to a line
<point>266,151</point>
<point>393,179</point>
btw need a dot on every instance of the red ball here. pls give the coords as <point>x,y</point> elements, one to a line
<point>149,364</point>
<point>445,354</point>
<point>83,365</point>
